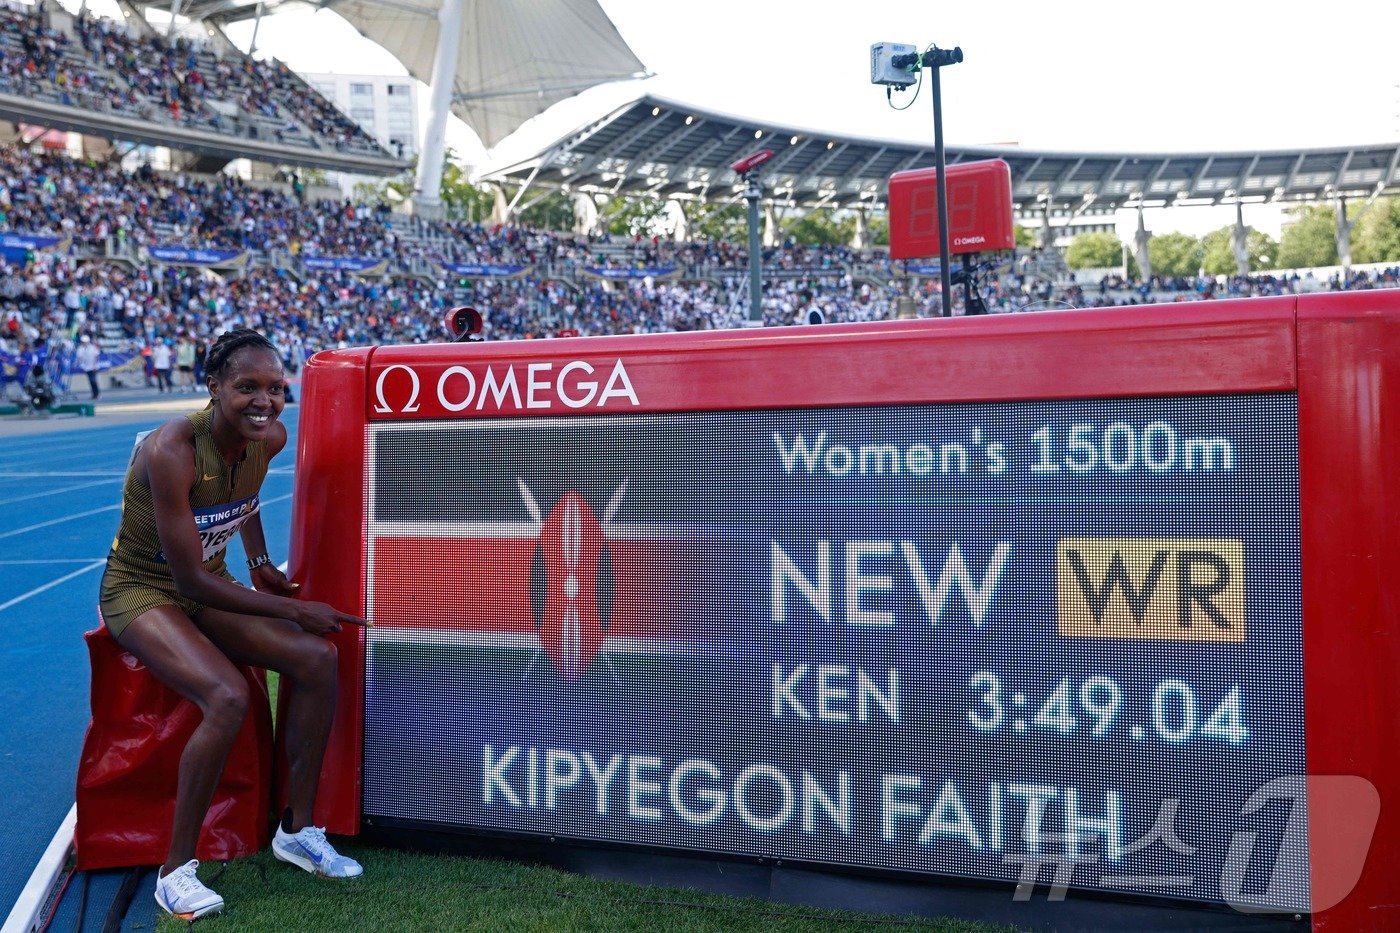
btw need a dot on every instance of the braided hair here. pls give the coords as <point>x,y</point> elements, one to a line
<point>229,343</point>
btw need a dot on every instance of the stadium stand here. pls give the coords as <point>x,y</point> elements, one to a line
<point>105,283</point>
<point>101,67</point>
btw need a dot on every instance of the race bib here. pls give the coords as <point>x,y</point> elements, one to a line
<point>218,523</point>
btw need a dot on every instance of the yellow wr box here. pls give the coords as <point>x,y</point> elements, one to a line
<point>1170,589</point>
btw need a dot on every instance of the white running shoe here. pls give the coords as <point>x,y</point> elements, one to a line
<point>182,894</point>
<point>309,849</point>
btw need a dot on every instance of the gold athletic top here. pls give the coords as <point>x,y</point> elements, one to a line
<point>223,497</point>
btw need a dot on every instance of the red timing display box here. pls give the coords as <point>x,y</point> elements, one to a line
<point>979,210</point>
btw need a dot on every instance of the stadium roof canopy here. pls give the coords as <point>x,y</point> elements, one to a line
<point>517,58</point>
<point>667,149</point>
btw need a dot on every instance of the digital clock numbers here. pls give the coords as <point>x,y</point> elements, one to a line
<point>1171,711</point>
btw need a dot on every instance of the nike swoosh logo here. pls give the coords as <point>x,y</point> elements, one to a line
<point>208,478</point>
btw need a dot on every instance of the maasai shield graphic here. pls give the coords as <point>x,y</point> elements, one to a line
<point>572,586</point>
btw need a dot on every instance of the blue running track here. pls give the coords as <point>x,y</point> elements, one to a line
<point>59,506</point>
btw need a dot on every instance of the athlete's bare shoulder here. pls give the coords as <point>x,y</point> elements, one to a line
<point>276,439</point>
<point>167,449</point>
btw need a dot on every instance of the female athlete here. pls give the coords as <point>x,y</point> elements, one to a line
<point>168,598</point>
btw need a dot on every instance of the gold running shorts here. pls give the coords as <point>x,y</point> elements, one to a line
<point>127,592</point>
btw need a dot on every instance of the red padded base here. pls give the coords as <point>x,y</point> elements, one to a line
<point>131,759</point>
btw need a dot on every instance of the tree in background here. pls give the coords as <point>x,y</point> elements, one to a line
<point>1026,237</point>
<point>461,200</point>
<point>1309,239</point>
<point>1175,255</point>
<point>551,211</point>
<point>880,230</point>
<point>1219,251</point>
<point>304,176</point>
<point>622,216</point>
<point>1376,235</point>
<point>387,190</point>
<point>718,221</point>
<point>821,227</point>
<point>1093,251</point>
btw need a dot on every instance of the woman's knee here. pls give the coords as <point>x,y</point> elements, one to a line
<point>226,703</point>
<point>316,662</point>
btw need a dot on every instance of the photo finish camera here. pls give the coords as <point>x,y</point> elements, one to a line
<point>893,64</point>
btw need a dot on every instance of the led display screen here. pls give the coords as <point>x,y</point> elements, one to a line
<point>1056,641</point>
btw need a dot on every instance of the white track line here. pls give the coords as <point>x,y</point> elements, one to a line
<point>61,489</point>
<point>53,583</point>
<point>46,474</point>
<point>47,563</point>
<point>24,916</point>
<point>58,521</point>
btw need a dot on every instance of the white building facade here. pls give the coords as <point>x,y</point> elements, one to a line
<point>385,106</point>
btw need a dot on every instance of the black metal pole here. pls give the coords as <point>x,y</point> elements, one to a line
<point>944,273</point>
<point>967,283</point>
<point>752,194</point>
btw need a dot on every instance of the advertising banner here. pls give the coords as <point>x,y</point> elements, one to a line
<point>211,258</point>
<point>15,247</point>
<point>477,270</point>
<point>645,272</point>
<point>359,265</point>
<point>33,241</point>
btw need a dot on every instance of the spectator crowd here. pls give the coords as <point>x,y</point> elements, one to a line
<point>58,298</point>
<point>106,66</point>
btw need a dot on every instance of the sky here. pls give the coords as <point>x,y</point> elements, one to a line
<point>1192,76</point>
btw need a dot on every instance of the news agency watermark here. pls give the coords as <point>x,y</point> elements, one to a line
<point>1288,872</point>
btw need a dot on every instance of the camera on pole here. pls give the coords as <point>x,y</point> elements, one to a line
<point>895,66</point>
<point>747,169</point>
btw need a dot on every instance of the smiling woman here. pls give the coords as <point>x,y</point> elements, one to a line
<point>169,599</point>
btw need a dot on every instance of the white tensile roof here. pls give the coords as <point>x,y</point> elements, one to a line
<point>516,57</point>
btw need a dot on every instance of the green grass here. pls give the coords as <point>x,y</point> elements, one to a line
<point>414,891</point>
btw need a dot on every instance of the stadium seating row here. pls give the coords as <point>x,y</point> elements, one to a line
<point>106,67</point>
<point>54,296</point>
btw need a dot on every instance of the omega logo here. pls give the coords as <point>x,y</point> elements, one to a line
<point>383,406</point>
<point>516,386</point>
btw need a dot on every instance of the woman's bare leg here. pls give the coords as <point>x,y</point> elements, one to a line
<point>184,659</point>
<point>309,662</point>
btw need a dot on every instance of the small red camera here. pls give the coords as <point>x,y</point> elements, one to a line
<point>750,162</point>
<point>463,323</point>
